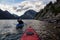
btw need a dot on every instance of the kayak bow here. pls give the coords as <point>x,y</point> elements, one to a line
<point>30,34</point>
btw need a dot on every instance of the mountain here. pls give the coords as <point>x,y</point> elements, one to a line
<point>51,14</point>
<point>30,14</point>
<point>6,15</point>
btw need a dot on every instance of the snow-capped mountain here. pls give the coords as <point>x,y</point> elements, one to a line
<point>20,8</point>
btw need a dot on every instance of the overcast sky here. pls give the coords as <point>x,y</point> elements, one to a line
<point>18,1</point>
<point>8,4</point>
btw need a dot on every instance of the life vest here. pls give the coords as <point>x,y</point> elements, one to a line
<point>19,25</point>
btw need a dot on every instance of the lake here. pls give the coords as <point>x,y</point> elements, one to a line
<point>8,27</point>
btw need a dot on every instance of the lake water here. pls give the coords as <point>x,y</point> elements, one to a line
<point>8,28</point>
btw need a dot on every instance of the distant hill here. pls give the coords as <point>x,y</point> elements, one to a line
<point>7,15</point>
<point>30,14</point>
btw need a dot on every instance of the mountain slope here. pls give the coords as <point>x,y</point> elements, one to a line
<point>6,15</point>
<point>30,14</point>
<point>51,14</point>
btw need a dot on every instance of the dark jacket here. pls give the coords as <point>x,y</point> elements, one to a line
<point>20,24</point>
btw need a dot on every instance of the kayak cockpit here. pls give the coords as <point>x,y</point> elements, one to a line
<point>29,33</point>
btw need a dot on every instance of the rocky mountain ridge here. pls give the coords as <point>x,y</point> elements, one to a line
<point>51,14</point>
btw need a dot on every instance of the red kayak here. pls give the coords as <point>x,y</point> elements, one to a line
<point>30,34</point>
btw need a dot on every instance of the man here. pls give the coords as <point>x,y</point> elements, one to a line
<point>20,24</point>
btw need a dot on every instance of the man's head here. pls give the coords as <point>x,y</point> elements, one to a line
<point>19,19</point>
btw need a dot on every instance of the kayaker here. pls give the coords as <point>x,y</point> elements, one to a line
<point>20,24</point>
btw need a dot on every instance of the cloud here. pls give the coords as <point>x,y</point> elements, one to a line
<point>37,5</point>
<point>47,1</point>
<point>12,6</point>
<point>10,9</point>
<point>44,1</point>
<point>18,1</point>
